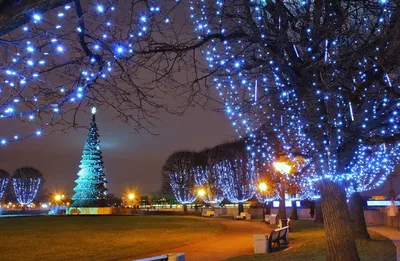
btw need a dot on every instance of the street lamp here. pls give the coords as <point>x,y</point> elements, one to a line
<point>282,167</point>
<point>201,193</point>
<point>263,188</point>
<point>57,197</point>
<point>131,196</point>
<point>285,169</point>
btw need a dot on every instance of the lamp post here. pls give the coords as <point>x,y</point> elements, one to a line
<point>263,188</point>
<point>284,169</point>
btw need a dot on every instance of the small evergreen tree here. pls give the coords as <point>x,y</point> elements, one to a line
<point>91,190</point>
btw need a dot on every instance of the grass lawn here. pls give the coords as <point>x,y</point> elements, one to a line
<point>308,243</point>
<point>97,237</point>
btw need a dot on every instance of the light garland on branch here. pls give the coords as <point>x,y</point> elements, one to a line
<point>59,58</point>
<point>338,111</point>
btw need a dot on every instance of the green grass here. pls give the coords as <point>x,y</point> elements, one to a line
<point>97,237</point>
<point>308,243</point>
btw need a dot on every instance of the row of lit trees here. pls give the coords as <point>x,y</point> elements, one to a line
<point>230,171</point>
<point>25,181</point>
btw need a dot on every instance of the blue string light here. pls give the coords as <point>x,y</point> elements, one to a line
<point>329,116</point>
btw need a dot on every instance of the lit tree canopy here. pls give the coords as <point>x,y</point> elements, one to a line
<point>179,170</point>
<point>209,176</point>
<point>26,183</point>
<point>324,73</point>
<point>4,179</point>
<point>238,180</point>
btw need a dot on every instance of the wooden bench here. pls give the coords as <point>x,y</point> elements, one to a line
<point>276,236</point>
<point>166,257</point>
<point>243,216</point>
<point>209,213</point>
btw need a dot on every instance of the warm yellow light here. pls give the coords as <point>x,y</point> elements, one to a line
<point>262,186</point>
<point>57,197</point>
<point>131,196</point>
<point>282,167</point>
<point>201,192</point>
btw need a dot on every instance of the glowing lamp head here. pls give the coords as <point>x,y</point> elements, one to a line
<point>131,196</point>
<point>201,193</point>
<point>262,186</point>
<point>57,197</point>
<point>282,167</point>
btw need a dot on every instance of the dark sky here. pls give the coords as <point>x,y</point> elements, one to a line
<point>131,160</point>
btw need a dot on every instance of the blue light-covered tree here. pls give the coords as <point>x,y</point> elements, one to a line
<point>4,179</point>
<point>324,73</point>
<point>179,171</point>
<point>26,183</point>
<point>238,180</point>
<point>209,176</point>
<point>91,189</point>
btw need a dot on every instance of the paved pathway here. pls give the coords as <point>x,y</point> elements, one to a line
<point>391,233</point>
<point>235,241</point>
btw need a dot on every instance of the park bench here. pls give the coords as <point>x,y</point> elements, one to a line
<point>276,236</point>
<point>243,216</point>
<point>166,257</point>
<point>271,219</point>
<point>209,213</point>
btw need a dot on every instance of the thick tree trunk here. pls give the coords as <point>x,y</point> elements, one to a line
<point>212,207</point>
<point>319,217</point>
<point>185,208</point>
<point>240,208</point>
<point>268,208</point>
<point>357,217</point>
<point>340,242</point>
<point>293,214</point>
<point>282,208</point>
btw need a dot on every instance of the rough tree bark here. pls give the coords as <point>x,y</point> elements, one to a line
<point>282,209</point>
<point>293,213</point>
<point>268,208</point>
<point>340,242</point>
<point>319,217</point>
<point>357,217</point>
<point>240,208</point>
<point>212,207</point>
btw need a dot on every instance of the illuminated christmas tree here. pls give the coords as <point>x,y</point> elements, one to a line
<point>91,190</point>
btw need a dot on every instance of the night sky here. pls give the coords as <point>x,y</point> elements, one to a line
<point>131,160</point>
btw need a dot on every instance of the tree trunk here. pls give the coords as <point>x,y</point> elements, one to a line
<point>240,207</point>
<point>212,207</point>
<point>282,209</point>
<point>268,208</point>
<point>185,208</point>
<point>357,217</point>
<point>340,242</point>
<point>293,214</point>
<point>319,217</point>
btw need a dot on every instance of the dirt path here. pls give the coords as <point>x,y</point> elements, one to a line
<point>235,241</point>
<point>390,232</point>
